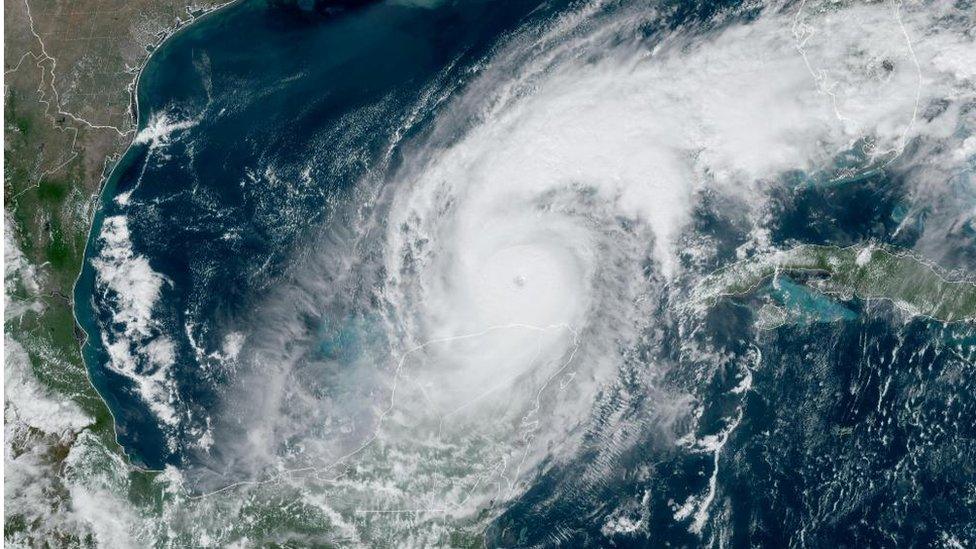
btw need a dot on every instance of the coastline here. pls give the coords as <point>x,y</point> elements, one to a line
<point>85,279</point>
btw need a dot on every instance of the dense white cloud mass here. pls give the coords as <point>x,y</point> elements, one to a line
<point>137,350</point>
<point>519,250</point>
<point>494,294</point>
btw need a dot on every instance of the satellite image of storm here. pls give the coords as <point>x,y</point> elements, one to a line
<point>489,273</point>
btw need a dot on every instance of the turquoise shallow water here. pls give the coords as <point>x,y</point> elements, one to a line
<point>257,122</point>
<point>283,107</point>
<point>807,305</point>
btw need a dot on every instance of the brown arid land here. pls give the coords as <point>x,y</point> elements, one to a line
<point>70,73</point>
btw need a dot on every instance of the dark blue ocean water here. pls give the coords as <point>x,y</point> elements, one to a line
<point>289,106</point>
<point>286,106</point>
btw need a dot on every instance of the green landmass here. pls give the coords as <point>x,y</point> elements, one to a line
<point>69,70</point>
<point>868,272</point>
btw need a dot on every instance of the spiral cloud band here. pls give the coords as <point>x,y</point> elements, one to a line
<point>495,301</point>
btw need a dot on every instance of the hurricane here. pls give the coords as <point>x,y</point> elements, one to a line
<point>451,275</point>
